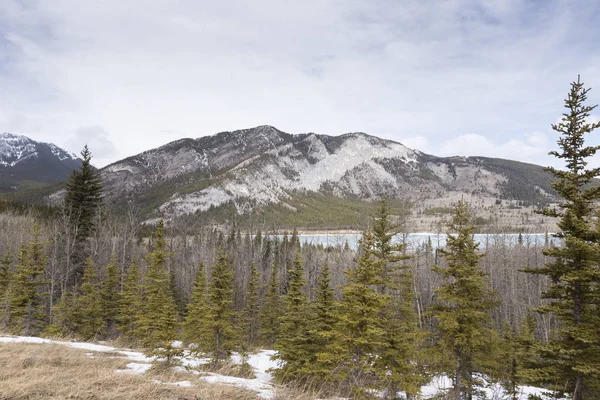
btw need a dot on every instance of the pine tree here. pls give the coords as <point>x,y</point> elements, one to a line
<point>323,331</point>
<point>360,335</point>
<point>527,349</point>
<point>194,319</point>
<point>509,367</point>
<point>88,307</point>
<point>110,297</point>
<point>219,336</point>
<point>251,313</point>
<point>573,355</point>
<point>130,302</point>
<point>293,343</point>
<point>271,309</point>
<point>396,364</point>
<point>65,321</point>
<point>158,321</point>
<point>82,201</point>
<point>464,302</point>
<point>27,316</point>
<point>5,279</point>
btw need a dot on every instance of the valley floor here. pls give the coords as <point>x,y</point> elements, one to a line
<point>37,368</point>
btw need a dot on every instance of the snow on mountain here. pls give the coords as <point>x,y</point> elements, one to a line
<point>23,159</point>
<point>265,165</point>
<point>15,148</point>
<point>18,148</point>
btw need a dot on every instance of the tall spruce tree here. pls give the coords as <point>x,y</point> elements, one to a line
<point>251,313</point>
<point>5,279</point>
<point>397,362</point>
<point>82,202</point>
<point>271,309</point>
<point>573,355</point>
<point>293,343</point>
<point>359,332</point>
<point>219,337</point>
<point>158,321</point>
<point>194,319</point>
<point>26,290</point>
<point>527,349</point>
<point>130,302</point>
<point>462,313</point>
<point>64,319</point>
<point>109,297</point>
<point>323,333</point>
<point>88,307</point>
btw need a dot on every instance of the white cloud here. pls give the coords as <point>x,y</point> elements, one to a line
<point>426,70</point>
<point>533,149</point>
<point>97,139</point>
<point>420,143</point>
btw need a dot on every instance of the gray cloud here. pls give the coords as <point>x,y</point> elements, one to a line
<point>97,139</point>
<point>437,71</point>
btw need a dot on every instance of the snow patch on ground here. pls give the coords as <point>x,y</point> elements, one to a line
<point>264,389</point>
<point>141,364</point>
<point>135,369</point>
<point>261,362</point>
<point>138,357</point>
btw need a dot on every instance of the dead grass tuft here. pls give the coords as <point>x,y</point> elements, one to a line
<point>52,371</point>
<point>229,369</point>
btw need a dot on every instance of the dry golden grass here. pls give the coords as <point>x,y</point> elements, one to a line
<point>45,371</point>
<point>240,371</point>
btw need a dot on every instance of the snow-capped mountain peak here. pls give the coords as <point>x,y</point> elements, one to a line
<point>23,159</point>
<point>15,149</point>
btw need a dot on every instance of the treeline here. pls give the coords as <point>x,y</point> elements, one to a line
<point>339,319</point>
<point>330,312</point>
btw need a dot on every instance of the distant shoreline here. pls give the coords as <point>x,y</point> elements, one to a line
<point>340,232</point>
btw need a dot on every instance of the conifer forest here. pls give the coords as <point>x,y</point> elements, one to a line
<point>369,322</point>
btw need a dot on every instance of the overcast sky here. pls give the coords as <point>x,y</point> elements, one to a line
<point>447,77</point>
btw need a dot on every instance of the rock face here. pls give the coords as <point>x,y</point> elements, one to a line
<point>27,163</point>
<point>263,165</point>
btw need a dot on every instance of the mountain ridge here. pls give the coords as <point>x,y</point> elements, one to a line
<point>26,163</point>
<point>264,165</point>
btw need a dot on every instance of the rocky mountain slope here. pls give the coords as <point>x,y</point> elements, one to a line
<point>25,163</point>
<point>262,166</point>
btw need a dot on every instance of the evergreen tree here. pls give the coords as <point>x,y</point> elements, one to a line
<point>464,302</point>
<point>130,302</point>
<point>360,334</point>
<point>194,319</point>
<point>396,364</point>
<point>26,296</point>
<point>110,296</point>
<point>178,295</point>
<point>64,320</point>
<point>527,349</point>
<point>293,343</point>
<point>219,336</point>
<point>573,355</point>
<point>509,367</point>
<point>82,202</point>
<point>251,313</point>
<point>5,279</point>
<point>158,321</point>
<point>88,307</point>
<point>271,309</point>
<point>323,331</point>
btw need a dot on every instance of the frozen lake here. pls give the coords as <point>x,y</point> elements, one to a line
<point>415,240</point>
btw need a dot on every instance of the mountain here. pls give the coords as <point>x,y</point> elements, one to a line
<point>25,163</point>
<point>264,167</point>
